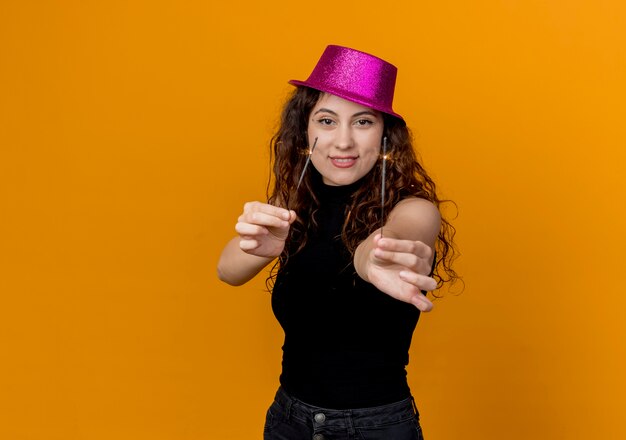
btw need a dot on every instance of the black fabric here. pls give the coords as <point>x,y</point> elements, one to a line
<point>291,419</point>
<point>346,342</point>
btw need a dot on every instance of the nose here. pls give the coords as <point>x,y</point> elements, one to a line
<point>344,139</point>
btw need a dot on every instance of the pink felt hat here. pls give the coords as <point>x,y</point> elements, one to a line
<point>356,76</point>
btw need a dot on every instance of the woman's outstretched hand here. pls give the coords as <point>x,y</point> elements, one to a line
<point>263,229</point>
<point>400,268</point>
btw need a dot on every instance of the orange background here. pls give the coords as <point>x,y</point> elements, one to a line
<point>131,133</point>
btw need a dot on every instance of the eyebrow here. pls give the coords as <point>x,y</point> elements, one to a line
<point>365,112</point>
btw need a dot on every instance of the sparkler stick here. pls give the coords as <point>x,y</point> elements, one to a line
<point>306,164</point>
<point>382,189</point>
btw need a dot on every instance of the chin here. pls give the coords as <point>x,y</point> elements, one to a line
<point>341,181</point>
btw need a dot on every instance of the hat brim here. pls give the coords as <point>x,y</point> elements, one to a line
<point>349,96</point>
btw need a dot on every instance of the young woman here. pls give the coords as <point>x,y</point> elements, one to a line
<point>354,236</point>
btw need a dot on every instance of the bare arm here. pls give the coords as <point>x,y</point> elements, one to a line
<point>237,267</point>
<point>399,263</point>
<point>262,230</point>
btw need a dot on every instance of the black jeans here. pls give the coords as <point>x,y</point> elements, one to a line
<point>291,419</point>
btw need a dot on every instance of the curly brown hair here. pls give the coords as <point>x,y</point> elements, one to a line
<point>405,177</point>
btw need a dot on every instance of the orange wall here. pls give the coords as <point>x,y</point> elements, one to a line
<point>132,132</point>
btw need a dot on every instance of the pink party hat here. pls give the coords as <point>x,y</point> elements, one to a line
<point>356,76</point>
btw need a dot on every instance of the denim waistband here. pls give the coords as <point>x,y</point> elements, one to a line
<point>347,418</point>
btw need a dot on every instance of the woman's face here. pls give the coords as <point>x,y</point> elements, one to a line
<point>349,137</point>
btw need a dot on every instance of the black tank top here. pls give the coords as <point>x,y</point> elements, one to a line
<point>346,342</point>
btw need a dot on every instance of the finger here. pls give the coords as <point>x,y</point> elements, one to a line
<point>264,219</point>
<point>265,208</point>
<point>248,245</point>
<point>249,229</point>
<point>407,260</point>
<point>422,282</point>
<point>418,248</point>
<point>421,302</point>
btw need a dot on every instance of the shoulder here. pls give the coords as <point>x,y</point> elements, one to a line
<point>417,208</point>
<point>415,219</point>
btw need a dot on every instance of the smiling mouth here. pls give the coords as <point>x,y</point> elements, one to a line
<point>343,162</point>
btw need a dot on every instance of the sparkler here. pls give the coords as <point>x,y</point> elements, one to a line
<point>306,164</point>
<point>382,189</point>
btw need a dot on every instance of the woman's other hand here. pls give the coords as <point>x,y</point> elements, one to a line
<point>263,229</point>
<point>401,269</point>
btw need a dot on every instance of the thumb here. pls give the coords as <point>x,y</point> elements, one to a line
<point>377,238</point>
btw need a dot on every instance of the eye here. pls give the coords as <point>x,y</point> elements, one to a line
<point>363,122</point>
<point>325,121</point>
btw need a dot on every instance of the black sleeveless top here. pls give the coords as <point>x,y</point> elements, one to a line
<point>346,342</point>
